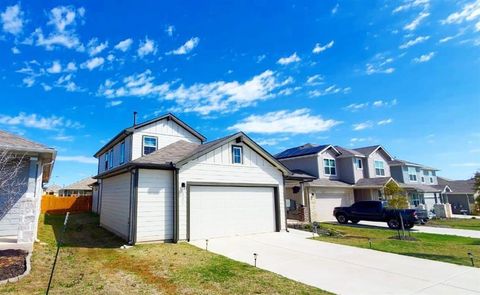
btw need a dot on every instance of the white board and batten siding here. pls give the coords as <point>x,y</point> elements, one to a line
<point>166,131</point>
<point>115,204</point>
<point>155,205</point>
<point>216,166</point>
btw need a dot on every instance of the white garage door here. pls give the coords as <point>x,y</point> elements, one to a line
<point>326,200</point>
<point>218,211</point>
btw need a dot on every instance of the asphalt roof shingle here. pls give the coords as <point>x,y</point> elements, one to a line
<point>82,184</point>
<point>12,141</point>
<point>458,186</point>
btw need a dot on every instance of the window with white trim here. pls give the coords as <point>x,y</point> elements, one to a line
<point>110,160</point>
<point>412,174</point>
<point>358,163</point>
<point>379,168</point>
<point>237,154</point>
<point>329,167</point>
<point>122,152</point>
<point>149,144</point>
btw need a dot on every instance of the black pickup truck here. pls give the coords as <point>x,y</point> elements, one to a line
<point>376,211</point>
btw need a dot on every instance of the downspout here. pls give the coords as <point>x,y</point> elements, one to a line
<point>176,210</point>
<point>133,207</point>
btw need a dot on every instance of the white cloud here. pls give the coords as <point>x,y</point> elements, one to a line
<point>363,125</point>
<point>124,45</point>
<point>384,103</point>
<point>409,4</point>
<point>12,19</point>
<point>410,43</point>
<point>15,50</point>
<point>299,121</point>
<point>385,122</point>
<point>380,64</point>
<point>28,81</point>
<point>289,59</point>
<point>61,137</point>
<point>315,80</point>
<point>470,12</point>
<point>63,16</point>
<point>272,141</point>
<point>169,30</point>
<point>67,83</point>
<point>77,159</point>
<point>114,103</point>
<point>71,67</point>
<point>203,98</point>
<point>335,9</point>
<point>424,57</point>
<point>187,47</point>
<point>55,68</point>
<point>356,106</point>
<point>260,58</point>
<point>147,47</point>
<point>67,40</point>
<point>333,89</point>
<point>38,122</point>
<point>360,139</point>
<point>416,22</point>
<point>46,87</point>
<point>95,48</point>
<point>93,63</point>
<point>319,48</point>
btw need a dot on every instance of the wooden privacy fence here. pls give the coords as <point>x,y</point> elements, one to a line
<point>61,205</point>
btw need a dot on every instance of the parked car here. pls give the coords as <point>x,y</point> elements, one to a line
<point>376,211</point>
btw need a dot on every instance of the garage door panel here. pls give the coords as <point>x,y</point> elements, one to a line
<point>217,211</point>
<point>327,199</point>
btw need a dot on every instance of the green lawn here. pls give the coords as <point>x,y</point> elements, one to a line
<point>472,224</point>
<point>452,249</point>
<point>92,263</point>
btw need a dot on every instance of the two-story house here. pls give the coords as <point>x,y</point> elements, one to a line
<point>160,181</point>
<point>419,181</point>
<point>327,176</point>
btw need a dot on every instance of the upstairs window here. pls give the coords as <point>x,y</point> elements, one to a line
<point>106,161</point>
<point>431,179</point>
<point>412,174</point>
<point>149,144</point>
<point>358,163</point>
<point>122,152</point>
<point>110,160</point>
<point>423,179</point>
<point>329,167</point>
<point>379,168</point>
<point>237,154</point>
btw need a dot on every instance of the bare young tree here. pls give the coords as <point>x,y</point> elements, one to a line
<point>12,183</point>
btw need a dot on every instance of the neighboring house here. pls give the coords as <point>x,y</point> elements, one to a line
<point>419,181</point>
<point>20,198</point>
<point>160,181</point>
<point>52,190</point>
<point>80,188</point>
<point>327,176</point>
<point>460,194</point>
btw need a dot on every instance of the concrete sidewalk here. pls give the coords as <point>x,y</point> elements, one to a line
<point>429,229</point>
<point>344,269</point>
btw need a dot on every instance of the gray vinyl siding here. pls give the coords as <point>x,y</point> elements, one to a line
<point>115,204</point>
<point>397,173</point>
<point>347,169</point>
<point>307,164</point>
<point>377,155</point>
<point>116,155</point>
<point>329,154</point>
<point>155,205</point>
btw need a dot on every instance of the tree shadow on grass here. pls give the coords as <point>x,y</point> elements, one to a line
<point>82,231</point>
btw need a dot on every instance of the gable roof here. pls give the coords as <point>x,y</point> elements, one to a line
<point>83,184</point>
<point>127,131</point>
<point>349,152</point>
<point>181,152</point>
<point>375,182</point>
<point>368,150</point>
<point>12,142</point>
<point>458,186</point>
<point>304,150</point>
<point>54,188</point>
<point>422,187</point>
<point>398,162</point>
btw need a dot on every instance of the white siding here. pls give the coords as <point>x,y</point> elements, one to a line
<point>216,166</point>
<point>115,204</point>
<point>155,205</point>
<point>167,132</point>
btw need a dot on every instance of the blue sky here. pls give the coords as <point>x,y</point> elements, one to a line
<point>404,74</point>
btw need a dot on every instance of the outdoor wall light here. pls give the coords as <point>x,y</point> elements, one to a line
<point>183,184</point>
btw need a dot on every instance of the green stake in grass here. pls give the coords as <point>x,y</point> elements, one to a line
<point>59,244</point>
<point>470,255</point>
<point>255,259</point>
<point>370,243</point>
<point>206,245</point>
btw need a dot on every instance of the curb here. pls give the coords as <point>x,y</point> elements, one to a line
<point>27,271</point>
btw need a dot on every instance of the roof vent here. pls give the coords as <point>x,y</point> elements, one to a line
<point>134,119</point>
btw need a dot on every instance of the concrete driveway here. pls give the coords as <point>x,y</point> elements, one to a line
<point>344,269</point>
<point>428,229</point>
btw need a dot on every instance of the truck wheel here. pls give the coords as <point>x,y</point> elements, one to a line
<point>393,223</point>
<point>355,221</point>
<point>342,218</point>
